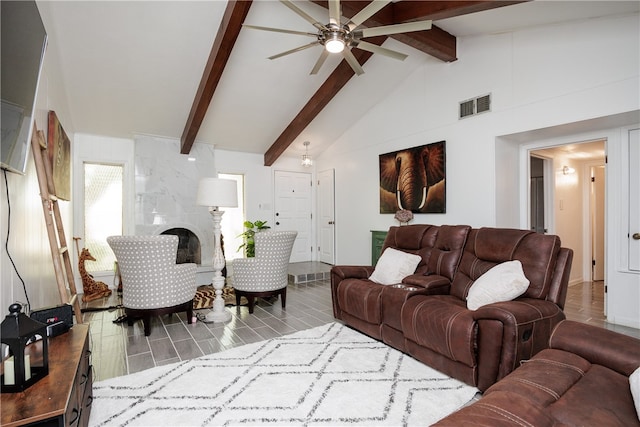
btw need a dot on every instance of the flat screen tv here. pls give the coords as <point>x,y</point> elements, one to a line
<point>23,41</point>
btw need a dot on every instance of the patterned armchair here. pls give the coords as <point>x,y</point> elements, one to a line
<point>152,282</point>
<point>266,274</point>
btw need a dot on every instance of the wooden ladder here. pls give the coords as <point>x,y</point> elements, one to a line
<point>53,220</point>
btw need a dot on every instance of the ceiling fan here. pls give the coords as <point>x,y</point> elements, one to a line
<point>340,38</point>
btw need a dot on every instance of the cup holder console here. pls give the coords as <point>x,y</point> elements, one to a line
<point>404,287</point>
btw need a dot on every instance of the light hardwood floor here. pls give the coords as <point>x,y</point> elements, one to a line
<point>118,349</point>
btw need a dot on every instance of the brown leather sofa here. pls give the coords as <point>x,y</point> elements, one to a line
<point>582,379</point>
<point>426,315</point>
<point>359,301</point>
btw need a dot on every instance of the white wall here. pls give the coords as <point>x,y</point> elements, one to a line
<point>545,83</point>
<point>28,243</point>
<point>538,78</point>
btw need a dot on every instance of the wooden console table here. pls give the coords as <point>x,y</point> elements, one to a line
<point>62,398</point>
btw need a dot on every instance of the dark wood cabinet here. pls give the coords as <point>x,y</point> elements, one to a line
<point>62,398</point>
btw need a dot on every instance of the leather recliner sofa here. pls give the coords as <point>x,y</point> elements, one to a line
<point>582,379</point>
<point>426,315</point>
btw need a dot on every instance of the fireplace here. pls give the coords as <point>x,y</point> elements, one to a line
<point>165,203</point>
<point>188,245</point>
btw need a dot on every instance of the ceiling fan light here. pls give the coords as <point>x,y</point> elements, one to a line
<point>334,45</point>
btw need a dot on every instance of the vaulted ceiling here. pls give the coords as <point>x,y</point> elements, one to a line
<point>188,70</point>
<point>435,42</point>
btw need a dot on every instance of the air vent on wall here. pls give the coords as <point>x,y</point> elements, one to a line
<point>471,107</point>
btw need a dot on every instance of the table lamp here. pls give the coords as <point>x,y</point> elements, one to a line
<point>216,193</point>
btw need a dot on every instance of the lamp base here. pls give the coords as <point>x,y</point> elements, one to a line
<point>217,317</point>
<point>219,312</point>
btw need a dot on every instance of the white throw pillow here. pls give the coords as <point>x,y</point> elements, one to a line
<point>393,266</point>
<point>634,383</point>
<point>503,282</point>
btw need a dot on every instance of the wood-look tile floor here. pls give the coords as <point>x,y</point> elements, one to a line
<point>585,303</point>
<point>118,349</point>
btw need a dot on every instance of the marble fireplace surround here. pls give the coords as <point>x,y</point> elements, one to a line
<point>165,192</point>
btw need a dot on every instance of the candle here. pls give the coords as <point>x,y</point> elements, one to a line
<point>9,375</point>
<point>27,367</point>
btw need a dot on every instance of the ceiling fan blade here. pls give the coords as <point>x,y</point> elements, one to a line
<point>353,62</point>
<point>370,47</point>
<point>334,12</point>
<point>280,30</point>
<point>320,62</point>
<point>366,13</point>
<point>393,29</point>
<point>303,14</point>
<point>297,49</point>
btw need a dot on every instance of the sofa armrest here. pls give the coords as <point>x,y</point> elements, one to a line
<point>342,272</point>
<point>351,272</point>
<point>499,409</point>
<point>598,345</point>
<point>512,331</point>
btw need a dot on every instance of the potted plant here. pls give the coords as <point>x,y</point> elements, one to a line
<point>251,228</point>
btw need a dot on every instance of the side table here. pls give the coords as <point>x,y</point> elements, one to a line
<point>62,398</point>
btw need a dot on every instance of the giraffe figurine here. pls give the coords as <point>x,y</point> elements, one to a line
<point>92,289</point>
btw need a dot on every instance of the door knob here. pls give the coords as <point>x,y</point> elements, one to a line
<point>277,223</point>
<point>331,222</point>
<point>636,236</point>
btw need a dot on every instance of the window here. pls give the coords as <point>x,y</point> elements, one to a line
<point>102,212</point>
<point>233,220</point>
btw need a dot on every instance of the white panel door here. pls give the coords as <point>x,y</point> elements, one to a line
<point>634,200</point>
<point>326,209</point>
<point>293,210</point>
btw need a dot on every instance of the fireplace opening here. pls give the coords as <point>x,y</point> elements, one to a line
<point>188,245</point>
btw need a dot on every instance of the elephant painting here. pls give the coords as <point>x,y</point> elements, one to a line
<point>413,179</point>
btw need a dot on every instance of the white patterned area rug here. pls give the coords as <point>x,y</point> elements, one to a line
<point>327,376</point>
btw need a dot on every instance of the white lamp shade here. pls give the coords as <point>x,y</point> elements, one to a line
<point>217,192</point>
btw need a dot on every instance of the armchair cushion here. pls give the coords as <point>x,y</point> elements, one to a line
<point>393,266</point>
<point>152,282</point>
<point>268,270</point>
<point>503,282</point>
<point>266,274</point>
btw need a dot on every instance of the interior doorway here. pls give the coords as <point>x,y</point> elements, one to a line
<point>567,198</point>
<point>537,209</point>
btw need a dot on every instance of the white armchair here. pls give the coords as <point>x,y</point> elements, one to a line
<point>266,274</point>
<point>152,282</point>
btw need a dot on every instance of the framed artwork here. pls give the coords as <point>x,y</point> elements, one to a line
<point>414,179</point>
<point>59,150</point>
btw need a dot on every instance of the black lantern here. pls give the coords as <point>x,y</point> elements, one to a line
<point>25,358</point>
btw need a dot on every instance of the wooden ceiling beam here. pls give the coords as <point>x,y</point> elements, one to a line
<point>330,88</point>
<point>228,32</point>
<point>415,10</point>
